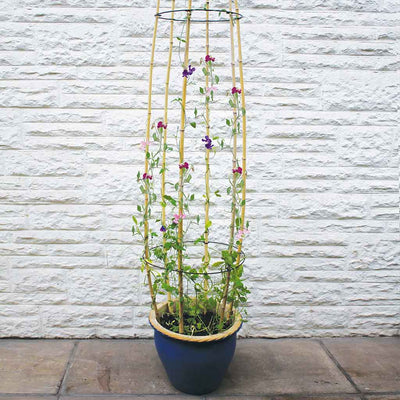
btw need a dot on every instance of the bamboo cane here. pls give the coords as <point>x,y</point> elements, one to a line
<point>234,161</point>
<point>146,163</point>
<point>166,95</point>
<point>244,148</point>
<point>181,170</point>
<point>207,158</point>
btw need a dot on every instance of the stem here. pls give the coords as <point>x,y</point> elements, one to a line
<point>181,160</point>
<point>164,142</point>
<point>146,165</point>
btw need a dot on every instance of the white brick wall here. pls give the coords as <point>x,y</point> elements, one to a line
<point>322,91</point>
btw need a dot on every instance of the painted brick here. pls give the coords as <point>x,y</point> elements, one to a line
<point>105,288</point>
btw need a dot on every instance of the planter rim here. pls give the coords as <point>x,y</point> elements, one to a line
<point>196,339</point>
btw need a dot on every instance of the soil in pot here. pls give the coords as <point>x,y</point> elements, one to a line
<point>202,324</point>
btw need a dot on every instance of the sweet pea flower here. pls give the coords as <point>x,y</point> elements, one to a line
<point>161,125</point>
<point>235,90</point>
<point>184,165</point>
<point>211,89</point>
<point>177,217</point>
<point>208,142</point>
<point>147,176</point>
<point>163,228</point>
<point>237,170</point>
<point>209,58</point>
<point>144,144</point>
<point>241,232</point>
<point>187,72</point>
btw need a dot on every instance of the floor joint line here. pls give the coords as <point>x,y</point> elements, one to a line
<point>61,388</point>
<point>341,369</point>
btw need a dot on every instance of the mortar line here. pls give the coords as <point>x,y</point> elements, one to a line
<point>341,369</point>
<point>61,388</point>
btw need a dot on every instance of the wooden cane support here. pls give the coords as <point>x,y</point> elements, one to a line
<point>207,156</point>
<point>146,164</point>
<point>181,171</point>
<point>164,143</point>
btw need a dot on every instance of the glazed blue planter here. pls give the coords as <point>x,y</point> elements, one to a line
<point>193,366</point>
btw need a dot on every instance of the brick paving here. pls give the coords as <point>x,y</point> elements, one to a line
<point>269,369</point>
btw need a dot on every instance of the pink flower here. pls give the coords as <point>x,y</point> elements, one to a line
<point>161,125</point>
<point>209,58</point>
<point>241,232</point>
<point>237,170</point>
<point>144,144</point>
<point>147,176</point>
<point>235,90</point>
<point>184,165</point>
<point>177,217</point>
<point>211,89</point>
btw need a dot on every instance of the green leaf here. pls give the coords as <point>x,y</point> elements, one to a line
<point>170,199</point>
<point>216,77</point>
<point>217,264</point>
<point>228,122</point>
<point>134,219</point>
<point>193,124</point>
<point>208,224</point>
<point>139,208</point>
<point>243,111</point>
<point>201,90</point>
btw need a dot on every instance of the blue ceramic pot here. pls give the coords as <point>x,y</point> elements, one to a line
<point>193,365</point>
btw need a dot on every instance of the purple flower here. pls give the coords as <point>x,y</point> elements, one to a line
<point>187,72</point>
<point>184,165</point>
<point>209,58</point>
<point>147,176</point>
<point>208,142</point>
<point>235,90</point>
<point>237,170</point>
<point>161,125</point>
<point>163,228</point>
